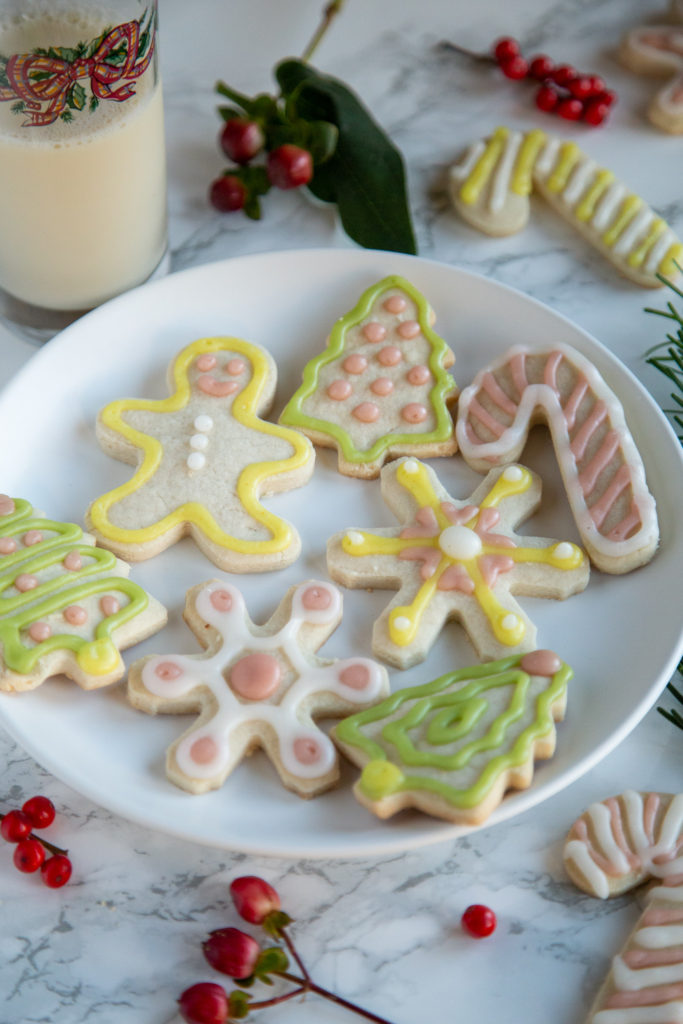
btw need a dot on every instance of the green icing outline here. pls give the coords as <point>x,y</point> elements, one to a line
<point>349,731</point>
<point>294,416</point>
<point>103,561</point>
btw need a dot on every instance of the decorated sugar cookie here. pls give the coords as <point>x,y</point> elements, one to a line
<point>204,457</point>
<point>453,747</point>
<point>657,50</point>
<point>603,472</point>
<point>380,388</point>
<point>615,846</point>
<point>66,606</point>
<point>490,189</point>
<point>456,560</point>
<point>257,686</point>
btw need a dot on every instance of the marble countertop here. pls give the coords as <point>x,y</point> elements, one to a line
<point>122,940</point>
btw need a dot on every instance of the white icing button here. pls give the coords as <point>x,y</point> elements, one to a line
<point>199,441</point>
<point>410,466</point>
<point>355,538</point>
<point>460,543</point>
<point>203,423</point>
<point>513,474</point>
<point>401,623</point>
<point>563,551</point>
<point>509,623</point>
<point>196,460</point>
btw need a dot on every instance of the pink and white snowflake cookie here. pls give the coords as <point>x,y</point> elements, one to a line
<point>257,686</point>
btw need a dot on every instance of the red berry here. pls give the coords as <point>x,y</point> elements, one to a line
<point>581,87</point>
<point>540,67</point>
<point>595,112</point>
<point>15,826</point>
<point>505,48</point>
<point>546,98</point>
<point>571,110</point>
<point>479,921</point>
<point>227,193</point>
<point>289,166</point>
<point>40,811</point>
<point>597,85</point>
<point>564,74</point>
<point>56,871</point>
<point>29,855</point>
<point>241,139</point>
<point>204,1003</point>
<point>514,67</point>
<point>608,96</point>
<point>232,952</point>
<point>254,899</point>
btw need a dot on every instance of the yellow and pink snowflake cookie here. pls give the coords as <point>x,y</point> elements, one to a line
<point>257,686</point>
<point>456,560</point>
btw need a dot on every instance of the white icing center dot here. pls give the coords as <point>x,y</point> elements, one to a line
<point>355,538</point>
<point>203,423</point>
<point>460,543</point>
<point>509,623</point>
<point>513,474</point>
<point>410,466</point>
<point>401,623</point>
<point>563,551</point>
<point>196,460</point>
<point>199,441</point>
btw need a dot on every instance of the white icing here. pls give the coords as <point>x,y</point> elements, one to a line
<point>513,474</point>
<point>634,231</point>
<point>196,460</point>
<point>577,851</point>
<point>608,205</point>
<point>411,466</point>
<point>510,622</point>
<point>659,936</point>
<point>563,551</point>
<point>583,172</point>
<point>664,1013</point>
<point>401,623</point>
<point>601,819</point>
<point>354,537</point>
<point>633,980</point>
<point>667,892</point>
<point>460,543</point>
<point>547,158</point>
<point>500,186</point>
<point>463,170</point>
<point>659,251</point>
<point>199,442</point>
<point>203,423</point>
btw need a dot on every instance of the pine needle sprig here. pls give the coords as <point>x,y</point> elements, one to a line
<point>673,714</point>
<point>667,357</point>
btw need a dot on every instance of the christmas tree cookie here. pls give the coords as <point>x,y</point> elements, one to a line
<point>380,388</point>
<point>204,457</point>
<point>456,560</point>
<point>65,605</point>
<point>453,747</point>
<point>257,686</point>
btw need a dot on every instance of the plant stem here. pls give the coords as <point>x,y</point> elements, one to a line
<point>311,986</point>
<point>292,949</point>
<point>48,846</point>
<point>449,47</point>
<point>329,14</point>
<point>263,1003</point>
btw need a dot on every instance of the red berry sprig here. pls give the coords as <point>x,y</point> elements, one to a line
<point>479,921</point>
<point>29,853</point>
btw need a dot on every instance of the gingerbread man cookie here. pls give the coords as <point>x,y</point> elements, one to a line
<point>657,50</point>
<point>380,388</point>
<point>204,457</point>
<point>257,686</point>
<point>615,846</point>
<point>456,560</point>
<point>65,605</point>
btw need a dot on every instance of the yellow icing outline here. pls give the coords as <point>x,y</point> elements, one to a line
<point>526,158</point>
<point>249,480</point>
<point>481,172</point>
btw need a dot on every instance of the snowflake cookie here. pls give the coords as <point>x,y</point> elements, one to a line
<point>380,388</point>
<point>456,560</point>
<point>257,686</point>
<point>453,747</point>
<point>204,458</point>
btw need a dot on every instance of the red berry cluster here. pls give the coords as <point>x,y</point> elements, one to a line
<point>563,90</point>
<point>29,854</point>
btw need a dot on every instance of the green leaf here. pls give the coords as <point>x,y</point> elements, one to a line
<point>275,922</point>
<point>238,98</point>
<point>365,175</point>
<point>227,113</point>
<point>238,1005</point>
<point>252,208</point>
<point>76,97</point>
<point>270,960</point>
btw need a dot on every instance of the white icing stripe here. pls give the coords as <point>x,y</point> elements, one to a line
<point>659,937</point>
<point>659,251</point>
<point>577,852</point>
<point>672,824</point>
<point>602,823</point>
<point>633,980</point>
<point>582,174</point>
<point>664,1013</point>
<point>665,892</point>
<point>466,166</point>
<point>633,232</point>
<point>501,180</point>
<point>608,205</point>
<point>547,158</point>
<point>669,99</point>
<point>633,802</point>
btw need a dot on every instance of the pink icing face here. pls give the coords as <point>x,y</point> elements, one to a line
<point>356,677</point>
<point>204,750</point>
<point>366,412</point>
<point>216,388</point>
<point>540,663</point>
<point>306,751</point>
<point>7,545</point>
<point>418,375</point>
<point>72,561</point>
<point>414,413</point>
<point>7,506</point>
<point>374,332</point>
<point>339,390</point>
<point>207,361</point>
<point>75,615</point>
<point>395,304</point>
<point>109,605</point>
<point>39,631</point>
<point>316,599</point>
<point>25,581</point>
<point>235,366</point>
<point>408,329</point>
<point>167,671</point>
<point>221,600</point>
<point>32,537</point>
<point>256,676</point>
<point>389,355</point>
<point>382,386</point>
<point>355,363</point>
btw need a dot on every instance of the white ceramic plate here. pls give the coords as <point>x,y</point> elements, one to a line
<point>622,635</point>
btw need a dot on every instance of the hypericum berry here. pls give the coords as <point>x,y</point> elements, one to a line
<point>56,871</point>
<point>29,855</point>
<point>514,67</point>
<point>289,166</point>
<point>40,811</point>
<point>204,1003</point>
<point>241,139</point>
<point>15,826</point>
<point>571,110</point>
<point>254,898</point>
<point>607,96</point>
<point>227,194</point>
<point>540,67</point>
<point>505,48</point>
<point>597,85</point>
<point>479,921</point>
<point>546,98</point>
<point>232,952</point>
<point>595,112</point>
<point>564,74</point>
<point>581,87</point>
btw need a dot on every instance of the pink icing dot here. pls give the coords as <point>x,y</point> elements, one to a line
<point>256,676</point>
<point>355,363</point>
<point>418,375</point>
<point>204,750</point>
<point>389,355</point>
<point>25,581</point>
<point>306,751</point>
<point>382,386</point>
<point>235,367</point>
<point>7,545</point>
<point>39,631</point>
<point>375,332</point>
<point>206,362</point>
<point>408,329</point>
<point>168,670</point>
<point>73,561</point>
<point>356,677</point>
<point>7,506</point>
<point>339,390</point>
<point>315,599</point>
<point>109,605</point>
<point>221,600</point>
<point>395,304</point>
<point>413,412</point>
<point>75,615</point>
<point>32,537</point>
<point>366,412</point>
<point>540,663</point>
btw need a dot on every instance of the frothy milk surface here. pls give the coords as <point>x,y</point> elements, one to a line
<point>82,203</point>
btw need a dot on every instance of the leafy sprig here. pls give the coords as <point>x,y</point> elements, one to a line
<point>667,356</point>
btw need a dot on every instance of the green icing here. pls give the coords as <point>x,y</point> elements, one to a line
<point>293,414</point>
<point>100,561</point>
<point>453,716</point>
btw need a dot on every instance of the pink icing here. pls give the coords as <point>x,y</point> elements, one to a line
<point>620,481</point>
<point>491,387</point>
<point>306,751</point>
<point>382,386</point>
<point>488,419</point>
<point>518,371</point>
<point>204,750</point>
<point>256,676</point>
<point>72,561</point>
<point>414,413</point>
<point>583,435</point>
<point>389,355</point>
<point>429,557</point>
<point>574,401</point>
<point>540,663</point>
<point>7,506</point>
<point>427,525</point>
<point>653,995</point>
<point>661,915</point>
<point>375,332</point>
<point>366,412</point>
<point>418,375</point>
<point>491,567</point>
<point>395,304</point>
<point>339,390</point>
<point>550,371</point>
<point>456,577</point>
<point>25,581</point>
<point>221,600</point>
<point>39,631</point>
<point>355,363</point>
<point>7,545</point>
<point>206,362</point>
<point>408,329</point>
<point>316,599</point>
<point>652,957</point>
<point>167,670</point>
<point>32,537</point>
<point>109,605</point>
<point>216,388</point>
<point>235,367</point>
<point>75,615</point>
<point>356,677</point>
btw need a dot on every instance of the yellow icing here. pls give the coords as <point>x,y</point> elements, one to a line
<point>668,266</point>
<point>568,158</point>
<point>524,164</point>
<point>629,208</point>
<point>98,658</point>
<point>380,778</point>
<point>472,187</point>
<point>506,485</point>
<point>603,179</point>
<point>493,609</point>
<point>638,256</point>
<point>413,475</point>
<point>414,612</point>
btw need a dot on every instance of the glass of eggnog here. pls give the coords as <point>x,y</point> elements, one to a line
<point>82,159</point>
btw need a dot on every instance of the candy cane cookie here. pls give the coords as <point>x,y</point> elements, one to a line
<point>491,184</point>
<point>657,50</point>
<point>613,847</point>
<point>601,467</point>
